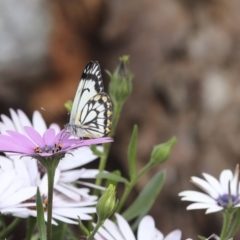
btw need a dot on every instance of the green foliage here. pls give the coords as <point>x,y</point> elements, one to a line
<point>146,198</point>
<point>132,149</point>
<point>113,177</point>
<point>40,217</point>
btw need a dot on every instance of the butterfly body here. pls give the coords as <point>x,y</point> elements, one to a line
<point>91,115</point>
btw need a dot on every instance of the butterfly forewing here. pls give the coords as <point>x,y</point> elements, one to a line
<point>90,84</point>
<point>91,114</point>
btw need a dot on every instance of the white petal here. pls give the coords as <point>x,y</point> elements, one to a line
<point>225,177</point>
<point>68,192</point>
<point>55,127</point>
<point>20,196</point>
<point>204,206</point>
<point>234,183</point>
<point>63,219</point>
<point>214,183</point>
<point>196,197</point>
<point>147,223</point>
<point>22,172</point>
<point>6,179</point>
<point>90,173</point>
<point>113,230</point>
<point>5,163</point>
<point>124,228</point>
<point>7,123</point>
<point>71,176</point>
<point>205,186</point>
<point>39,123</point>
<point>75,212</point>
<point>214,209</point>
<point>23,118</point>
<point>174,235</point>
<point>158,235</point>
<point>78,158</point>
<point>97,236</point>
<point>105,234</point>
<point>91,185</point>
<point>16,121</point>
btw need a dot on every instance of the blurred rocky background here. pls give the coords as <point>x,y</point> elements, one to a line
<point>185,56</point>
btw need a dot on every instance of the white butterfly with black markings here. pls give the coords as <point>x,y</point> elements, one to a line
<point>91,115</point>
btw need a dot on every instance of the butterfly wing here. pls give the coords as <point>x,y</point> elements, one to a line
<point>96,116</point>
<point>90,84</point>
<point>91,114</point>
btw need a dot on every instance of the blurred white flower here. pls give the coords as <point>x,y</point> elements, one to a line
<point>122,230</point>
<point>12,194</point>
<point>222,194</point>
<point>68,170</point>
<point>18,195</point>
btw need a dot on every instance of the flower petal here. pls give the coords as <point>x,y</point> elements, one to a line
<point>49,136</point>
<point>225,178</point>
<point>146,223</point>
<point>214,183</point>
<point>124,228</point>
<point>34,135</point>
<point>174,235</point>
<point>196,197</point>
<point>39,123</point>
<point>205,186</point>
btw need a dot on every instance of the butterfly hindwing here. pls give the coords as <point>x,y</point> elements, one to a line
<point>91,114</point>
<point>96,116</point>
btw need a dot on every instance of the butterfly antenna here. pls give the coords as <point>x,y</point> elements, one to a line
<point>55,115</point>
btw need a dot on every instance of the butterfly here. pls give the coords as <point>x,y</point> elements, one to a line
<point>91,114</point>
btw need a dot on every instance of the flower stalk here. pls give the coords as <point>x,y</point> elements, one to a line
<point>50,165</point>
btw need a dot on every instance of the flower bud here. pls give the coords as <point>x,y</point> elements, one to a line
<point>120,86</point>
<point>68,105</point>
<point>107,203</point>
<point>162,151</point>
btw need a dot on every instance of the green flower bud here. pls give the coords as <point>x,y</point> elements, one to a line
<point>107,203</point>
<point>162,151</point>
<point>120,86</point>
<point>68,105</point>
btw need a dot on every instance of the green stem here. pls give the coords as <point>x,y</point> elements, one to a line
<point>9,228</point>
<point>50,164</point>
<point>99,224</point>
<point>50,173</point>
<point>129,187</point>
<point>103,159</point>
<point>235,226</point>
<point>31,222</point>
<point>226,223</point>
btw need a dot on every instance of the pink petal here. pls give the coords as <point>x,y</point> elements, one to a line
<point>49,137</point>
<point>34,135</point>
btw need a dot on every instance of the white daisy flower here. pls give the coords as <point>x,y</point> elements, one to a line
<point>64,209</point>
<point>122,230</point>
<point>220,195</point>
<point>18,196</point>
<point>11,192</point>
<point>66,172</point>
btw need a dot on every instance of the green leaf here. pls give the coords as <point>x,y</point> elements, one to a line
<point>132,152</point>
<point>146,198</point>
<point>113,177</point>
<point>82,227</point>
<point>59,232</point>
<point>201,237</point>
<point>40,217</point>
<point>113,182</point>
<point>31,223</point>
<point>96,151</point>
<point>35,237</point>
